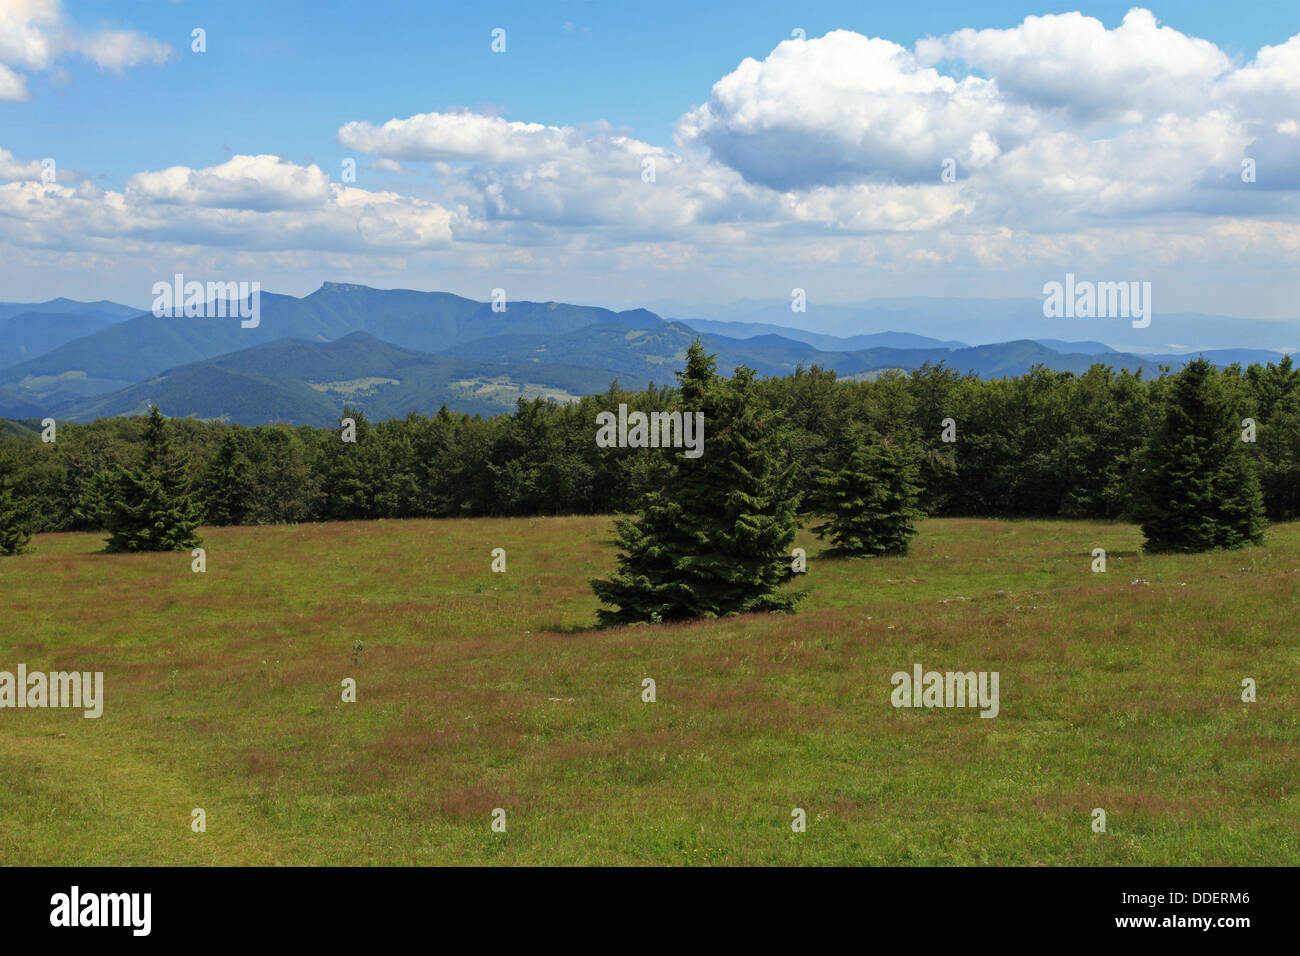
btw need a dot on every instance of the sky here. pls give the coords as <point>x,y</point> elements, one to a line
<point>622,154</point>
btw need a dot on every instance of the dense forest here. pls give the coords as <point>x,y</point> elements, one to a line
<point>1043,444</point>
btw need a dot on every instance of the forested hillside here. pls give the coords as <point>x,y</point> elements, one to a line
<point>1042,444</point>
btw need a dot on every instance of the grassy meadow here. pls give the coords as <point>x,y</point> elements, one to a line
<point>479,690</point>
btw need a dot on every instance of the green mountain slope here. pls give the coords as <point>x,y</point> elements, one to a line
<point>15,406</point>
<point>31,334</point>
<point>309,383</point>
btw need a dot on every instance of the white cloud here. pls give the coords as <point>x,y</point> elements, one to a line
<point>453,137</point>
<point>1073,63</point>
<point>33,33</point>
<point>1030,146</point>
<point>11,168</point>
<point>13,86</point>
<point>117,49</point>
<point>1275,71</point>
<point>1078,145</point>
<point>250,202</point>
<point>562,177</point>
<point>27,29</point>
<point>244,182</point>
<point>846,108</point>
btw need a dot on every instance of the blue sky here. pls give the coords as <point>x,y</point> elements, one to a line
<point>792,171</point>
<point>281,77</point>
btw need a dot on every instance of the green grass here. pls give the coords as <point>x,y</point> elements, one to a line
<point>223,692</point>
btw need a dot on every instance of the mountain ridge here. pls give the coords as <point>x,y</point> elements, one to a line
<point>400,350</point>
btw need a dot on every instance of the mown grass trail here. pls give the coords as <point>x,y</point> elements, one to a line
<point>479,690</point>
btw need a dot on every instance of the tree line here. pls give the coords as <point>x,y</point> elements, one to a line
<point>1043,444</point>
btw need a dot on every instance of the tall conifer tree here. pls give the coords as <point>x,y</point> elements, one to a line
<point>1197,488</point>
<point>151,508</point>
<point>227,488</point>
<point>714,539</point>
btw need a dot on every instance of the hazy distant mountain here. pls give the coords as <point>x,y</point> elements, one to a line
<point>654,354</point>
<point>429,321</point>
<point>31,334</point>
<point>390,352</point>
<point>121,354</point>
<point>1002,320</point>
<point>995,361</point>
<point>827,343</point>
<point>1220,357</point>
<point>1085,348</point>
<point>103,309</point>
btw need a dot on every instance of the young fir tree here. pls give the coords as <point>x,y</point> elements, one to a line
<point>715,539</point>
<point>15,519</point>
<point>151,509</point>
<point>226,483</point>
<point>870,493</point>
<point>1197,488</point>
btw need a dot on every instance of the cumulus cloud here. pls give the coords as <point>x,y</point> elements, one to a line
<point>1073,143</point>
<point>1274,72</point>
<point>453,137</point>
<point>250,202</point>
<point>34,33</point>
<point>1070,123</point>
<point>567,177</point>
<point>1064,180</point>
<point>11,168</point>
<point>1071,62</point>
<point>28,32</point>
<point>847,134</point>
<point>846,108</point>
<point>244,182</point>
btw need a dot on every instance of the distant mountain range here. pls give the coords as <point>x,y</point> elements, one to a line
<point>1003,320</point>
<point>390,352</point>
<point>108,311</point>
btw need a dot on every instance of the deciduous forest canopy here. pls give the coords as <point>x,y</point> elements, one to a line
<point>1042,444</point>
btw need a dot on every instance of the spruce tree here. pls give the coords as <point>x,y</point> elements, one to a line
<point>870,494</point>
<point>151,509</point>
<point>714,539</point>
<point>1278,457</point>
<point>1197,488</point>
<point>226,483</point>
<point>15,519</point>
<point>354,471</point>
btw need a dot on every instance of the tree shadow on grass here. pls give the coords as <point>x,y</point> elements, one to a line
<point>840,554</point>
<point>569,629</point>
